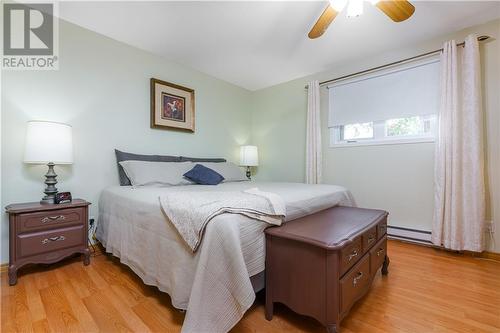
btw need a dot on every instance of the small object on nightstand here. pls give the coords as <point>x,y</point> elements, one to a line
<point>62,197</point>
<point>44,234</point>
<point>249,157</point>
<point>49,143</point>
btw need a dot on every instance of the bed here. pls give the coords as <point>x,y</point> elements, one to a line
<point>216,284</point>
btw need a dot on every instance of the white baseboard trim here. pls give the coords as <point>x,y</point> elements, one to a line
<point>409,235</point>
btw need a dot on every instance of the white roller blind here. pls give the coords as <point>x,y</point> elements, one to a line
<point>408,91</point>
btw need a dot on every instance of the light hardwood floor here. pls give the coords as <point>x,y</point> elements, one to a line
<point>427,290</point>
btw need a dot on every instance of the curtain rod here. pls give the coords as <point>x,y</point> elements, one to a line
<point>480,38</point>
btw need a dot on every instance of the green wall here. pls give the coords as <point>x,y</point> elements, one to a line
<point>398,178</point>
<point>102,90</point>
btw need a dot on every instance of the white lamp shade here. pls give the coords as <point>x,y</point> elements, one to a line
<point>48,142</point>
<point>249,156</point>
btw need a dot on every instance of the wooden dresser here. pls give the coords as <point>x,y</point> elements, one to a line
<point>321,264</point>
<point>46,233</point>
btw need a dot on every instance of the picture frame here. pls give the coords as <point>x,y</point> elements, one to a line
<point>172,106</point>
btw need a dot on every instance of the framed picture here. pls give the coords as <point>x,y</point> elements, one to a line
<point>172,106</point>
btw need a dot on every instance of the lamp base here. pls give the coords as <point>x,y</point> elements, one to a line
<point>50,190</point>
<point>47,201</point>
<point>249,174</point>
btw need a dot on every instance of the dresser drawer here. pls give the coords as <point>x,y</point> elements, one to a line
<point>350,254</point>
<point>382,228</point>
<point>29,244</point>
<point>369,239</point>
<point>377,255</point>
<point>51,219</point>
<point>354,283</point>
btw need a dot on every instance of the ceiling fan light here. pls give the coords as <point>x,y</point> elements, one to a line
<point>355,8</point>
<point>338,5</point>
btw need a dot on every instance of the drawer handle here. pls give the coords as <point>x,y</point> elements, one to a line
<point>371,238</point>
<point>353,255</point>
<point>53,239</point>
<point>53,218</point>
<point>379,252</point>
<point>357,278</point>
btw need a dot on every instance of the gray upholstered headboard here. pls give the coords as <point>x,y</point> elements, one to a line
<point>201,159</point>
<point>124,156</point>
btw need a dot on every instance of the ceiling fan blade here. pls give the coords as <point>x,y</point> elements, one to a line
<point>397,10</point>
<point>323,22</point>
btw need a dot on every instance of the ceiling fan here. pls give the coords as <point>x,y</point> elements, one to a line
<point>397,10</point>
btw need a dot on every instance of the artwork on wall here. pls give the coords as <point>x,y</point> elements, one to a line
<point>172,106</point>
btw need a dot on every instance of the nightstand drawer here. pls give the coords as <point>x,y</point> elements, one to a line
<point>50,219</point>
<point>56,239</point>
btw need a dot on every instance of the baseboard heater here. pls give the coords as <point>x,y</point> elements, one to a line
<point>409,235</point>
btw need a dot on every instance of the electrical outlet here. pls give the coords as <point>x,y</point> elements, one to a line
<point>91,221</point>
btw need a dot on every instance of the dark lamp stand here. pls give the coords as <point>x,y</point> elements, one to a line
<point>50,181</point>
<point>249,174</point>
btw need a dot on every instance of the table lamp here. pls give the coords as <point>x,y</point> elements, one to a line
<point>49,143</point>
<point>249,157</point>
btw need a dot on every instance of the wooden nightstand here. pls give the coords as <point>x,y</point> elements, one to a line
<point>46,233</point>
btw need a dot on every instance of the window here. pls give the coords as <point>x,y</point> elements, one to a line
<point>396,130</point>
<point>356,131</point>
<point>408,127</point>
<point>398,105</point>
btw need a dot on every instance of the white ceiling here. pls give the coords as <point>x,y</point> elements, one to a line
<point>259,44</point>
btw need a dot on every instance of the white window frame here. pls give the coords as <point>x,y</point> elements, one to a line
<point>380,138</point>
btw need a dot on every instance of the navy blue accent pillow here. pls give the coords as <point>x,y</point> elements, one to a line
<point>204,176</point>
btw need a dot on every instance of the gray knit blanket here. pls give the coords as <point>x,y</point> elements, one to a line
<point>190,212</point>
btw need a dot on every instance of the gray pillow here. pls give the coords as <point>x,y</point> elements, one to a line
<point>123,156</point>
<point>197,159</point>
<point>146,173</point>
<point>230,171</point>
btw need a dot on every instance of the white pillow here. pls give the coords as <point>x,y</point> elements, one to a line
<point>230,171</point>
<point>144,173</point>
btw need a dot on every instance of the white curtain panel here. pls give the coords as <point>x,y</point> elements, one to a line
<point>313,135</point>
<point>459,211</point>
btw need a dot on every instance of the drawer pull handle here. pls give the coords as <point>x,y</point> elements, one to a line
<point>371,238</point>
<point>357,278</point>
<point>53,218</point>
<point>353,255</point>
<point>379,252</point>
<point>53,239</point>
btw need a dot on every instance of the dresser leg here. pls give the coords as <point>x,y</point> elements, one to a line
<point>385,266</point>
<point>269,305</point>
<point>332,328</point>
<point>269,310</point>
<point>12,275</point>
<point>86,257</point>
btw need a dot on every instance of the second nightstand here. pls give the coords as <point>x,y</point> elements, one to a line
<point>46,233</point>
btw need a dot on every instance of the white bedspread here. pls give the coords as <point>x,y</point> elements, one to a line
<point>191,211</point>
<point>213,284</point>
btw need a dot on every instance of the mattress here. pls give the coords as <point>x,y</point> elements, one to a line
<point>300,199</point>
<point>132,226</point>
